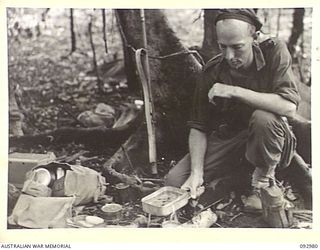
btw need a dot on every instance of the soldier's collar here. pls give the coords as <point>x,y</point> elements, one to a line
<point>258,56</point>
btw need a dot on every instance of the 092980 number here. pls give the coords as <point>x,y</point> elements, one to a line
<point>306,246</point>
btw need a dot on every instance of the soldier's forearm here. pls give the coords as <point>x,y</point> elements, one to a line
<point>266,101</point>
<point>197,148</point>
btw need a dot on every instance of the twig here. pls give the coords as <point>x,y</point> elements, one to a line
<point>73,37</point>
<point>104,30</point>
<point>184,52</point>
<point>112,26</point>
<point>217,224</point>
<point>199,17</point>
<point>236,216</point>
<point>210,205</point>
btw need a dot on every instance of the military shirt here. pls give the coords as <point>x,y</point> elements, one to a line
<point>271,72</point>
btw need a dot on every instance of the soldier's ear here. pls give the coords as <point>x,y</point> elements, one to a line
<point>256,35</point>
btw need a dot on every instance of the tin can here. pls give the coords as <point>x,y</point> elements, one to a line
<point>112,212</point>
<point>124,193</point>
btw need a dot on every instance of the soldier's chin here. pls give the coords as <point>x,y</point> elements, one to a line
<point>235,65</point>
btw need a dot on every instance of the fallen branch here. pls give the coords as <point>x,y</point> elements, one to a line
<point>96,137</point>
<point>110,166</point>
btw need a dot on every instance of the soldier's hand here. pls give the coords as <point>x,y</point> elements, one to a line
<point>220,90</point>
<point>194,185</point>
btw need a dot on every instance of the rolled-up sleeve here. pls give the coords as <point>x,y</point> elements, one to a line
<point>284,82</point>
<point>199,111</point>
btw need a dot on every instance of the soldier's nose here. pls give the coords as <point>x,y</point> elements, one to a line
<point>229,54</point>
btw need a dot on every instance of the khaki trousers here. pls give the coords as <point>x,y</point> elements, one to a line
<point>268,142</point>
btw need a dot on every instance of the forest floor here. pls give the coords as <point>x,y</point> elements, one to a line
<point>53,87</point>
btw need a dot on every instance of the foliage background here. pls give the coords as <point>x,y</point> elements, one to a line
<point>44,72</point>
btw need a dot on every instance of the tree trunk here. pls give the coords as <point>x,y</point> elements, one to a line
<point>210,46</point>
<point>132,78</point>
<point>297,29</point>
<point>172,81</point>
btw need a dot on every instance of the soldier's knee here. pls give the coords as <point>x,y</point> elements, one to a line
<point>264,121</point>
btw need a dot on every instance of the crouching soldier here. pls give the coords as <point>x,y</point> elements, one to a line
<point>245,94</point>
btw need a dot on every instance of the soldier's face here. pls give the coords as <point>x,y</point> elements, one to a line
<point>235,41</point>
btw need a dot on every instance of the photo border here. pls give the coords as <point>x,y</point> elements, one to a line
<point>138,235</point>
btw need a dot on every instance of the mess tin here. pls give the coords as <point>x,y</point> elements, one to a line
<point>165,201</point>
